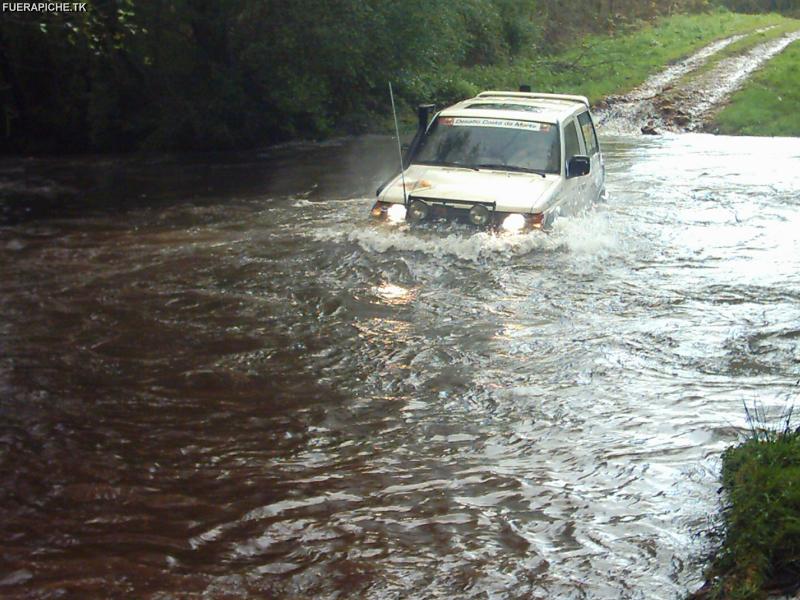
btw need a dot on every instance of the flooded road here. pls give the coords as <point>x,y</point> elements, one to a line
<point>220,380</point>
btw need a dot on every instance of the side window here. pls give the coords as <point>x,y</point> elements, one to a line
<point>589,134</point>
<point>571,145</point>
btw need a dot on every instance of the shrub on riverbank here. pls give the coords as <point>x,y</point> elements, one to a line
<point>770,102</point>
<point>761,551</point>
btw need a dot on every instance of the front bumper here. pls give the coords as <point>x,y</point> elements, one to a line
<point>440,209</point>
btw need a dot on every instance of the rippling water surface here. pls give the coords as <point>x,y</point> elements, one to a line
<point>221,380</point>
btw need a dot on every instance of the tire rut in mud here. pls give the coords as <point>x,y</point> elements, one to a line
<point>674,101</point>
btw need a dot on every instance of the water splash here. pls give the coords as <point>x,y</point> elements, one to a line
<point>590,234</point>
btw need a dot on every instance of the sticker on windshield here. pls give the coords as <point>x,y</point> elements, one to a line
<point>506,123</point>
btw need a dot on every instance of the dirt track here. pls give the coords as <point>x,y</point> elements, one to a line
<point>683,97</point>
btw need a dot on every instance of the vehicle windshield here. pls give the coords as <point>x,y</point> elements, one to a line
<point>503,144</point>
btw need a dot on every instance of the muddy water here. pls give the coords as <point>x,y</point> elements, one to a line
<point>218,379</point>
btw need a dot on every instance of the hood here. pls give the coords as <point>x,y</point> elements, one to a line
<point>513,192</point>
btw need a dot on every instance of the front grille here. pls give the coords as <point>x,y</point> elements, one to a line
<point>457,210</point>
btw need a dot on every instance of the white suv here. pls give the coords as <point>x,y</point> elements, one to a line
<point>510,160</point>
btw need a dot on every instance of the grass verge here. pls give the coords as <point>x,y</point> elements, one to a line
<point>769,103</point>
<point>761,551</point>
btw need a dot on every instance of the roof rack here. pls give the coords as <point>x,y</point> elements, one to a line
<point>533,95</point>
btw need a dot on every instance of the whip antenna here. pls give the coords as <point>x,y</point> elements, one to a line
<point>399,148</point>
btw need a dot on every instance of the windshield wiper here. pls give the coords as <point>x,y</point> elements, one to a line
<point>514,168</point>
<point>448,164</point>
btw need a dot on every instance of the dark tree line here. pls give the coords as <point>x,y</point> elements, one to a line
<point>790,7</point>
<point>198,74</point>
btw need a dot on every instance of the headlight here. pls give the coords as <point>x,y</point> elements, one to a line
<point>418,211</point>
<point>396,213</point>
<point>479,215</point>
<point>514,222</point>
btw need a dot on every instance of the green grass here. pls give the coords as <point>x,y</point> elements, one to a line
<point>769,104</point>
<point>596,67</point>
<point>761,551</point>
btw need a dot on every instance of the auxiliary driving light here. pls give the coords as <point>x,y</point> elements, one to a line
<point>418,211</point>
<point>396,213</point>
<point>514,222</point>
<point>479,215</point>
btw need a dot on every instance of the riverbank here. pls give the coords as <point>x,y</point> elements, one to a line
<point>769,103</point>
<point>760,555</point>
<point>604,66</point>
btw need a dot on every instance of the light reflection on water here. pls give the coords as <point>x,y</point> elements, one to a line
<point>266,394</point>
<point>395,295</point>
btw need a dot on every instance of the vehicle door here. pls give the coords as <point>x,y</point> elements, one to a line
<point>574,187</point>
<point>598,169</point>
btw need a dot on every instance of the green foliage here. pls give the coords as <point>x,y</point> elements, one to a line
<point>762,522</point>
<point>770,102</point>
<point>197,74</point>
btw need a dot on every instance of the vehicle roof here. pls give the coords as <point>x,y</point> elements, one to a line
<point>523,106</point>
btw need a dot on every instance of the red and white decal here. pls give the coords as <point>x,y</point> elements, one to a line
<point>504,123</point>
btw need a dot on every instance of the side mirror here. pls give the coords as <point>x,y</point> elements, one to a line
<point>578,166</point>
<point>424,112</point>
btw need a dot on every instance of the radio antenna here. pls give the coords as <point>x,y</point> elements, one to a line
<point>399,148</point>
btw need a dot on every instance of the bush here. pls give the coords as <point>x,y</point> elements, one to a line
<point>761,551</point>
